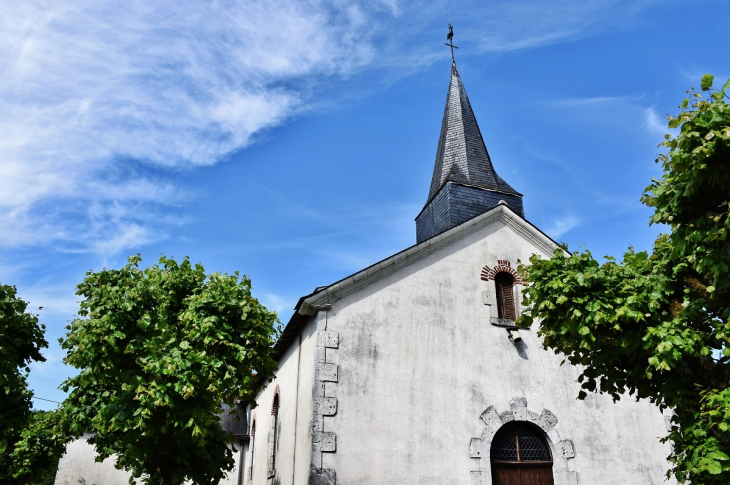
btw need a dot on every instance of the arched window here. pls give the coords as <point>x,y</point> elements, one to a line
<point>253,448</point>
<point>273,435</point>
<point>521,456</point>
<point>504,283</point>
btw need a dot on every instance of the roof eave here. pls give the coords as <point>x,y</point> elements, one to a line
<point>331,293</point>
<point>309,305</point>
<point>466,185</point>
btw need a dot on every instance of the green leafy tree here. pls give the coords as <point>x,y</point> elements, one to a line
<point>34,459</point>
<point>657,325</point>
<point>21,338</point>
<point>159,349</point>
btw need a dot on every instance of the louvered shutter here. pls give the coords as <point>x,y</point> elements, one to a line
<point>505,297</point>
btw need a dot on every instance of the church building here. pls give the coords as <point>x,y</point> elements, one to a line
<point>412,370</point>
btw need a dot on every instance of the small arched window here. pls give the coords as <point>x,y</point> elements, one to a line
<point>273,435</point>
<point>253,448</point>
<point>504,283</point>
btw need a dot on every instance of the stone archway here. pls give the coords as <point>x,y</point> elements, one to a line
<point>562,450</point>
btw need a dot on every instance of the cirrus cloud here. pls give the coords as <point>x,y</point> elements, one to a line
<point>102,102</point>
<point>101,99</point>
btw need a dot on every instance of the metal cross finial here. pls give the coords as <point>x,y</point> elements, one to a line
<point>450,38</point>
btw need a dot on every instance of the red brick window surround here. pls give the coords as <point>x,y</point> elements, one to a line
<point>503,266</point>
<point>253,447</point>
<point>273,433</point>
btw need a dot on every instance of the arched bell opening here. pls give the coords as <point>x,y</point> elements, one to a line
<point>520,455</point>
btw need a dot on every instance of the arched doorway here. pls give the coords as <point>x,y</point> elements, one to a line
<point>521,456</point>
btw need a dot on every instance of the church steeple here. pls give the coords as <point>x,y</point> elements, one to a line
<point>464,182</point>
<point>462,156</point>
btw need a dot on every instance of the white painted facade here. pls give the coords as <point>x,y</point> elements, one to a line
<point>399,376</point>
<point>424,380</point>
<point>77,467</point>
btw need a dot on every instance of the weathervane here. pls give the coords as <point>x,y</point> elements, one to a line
<point>450,38</point>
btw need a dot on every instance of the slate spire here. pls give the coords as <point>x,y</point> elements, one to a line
<point>465,183</point>
<point>462,156</point>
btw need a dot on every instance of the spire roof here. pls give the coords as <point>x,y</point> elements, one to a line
<point>462,156</point>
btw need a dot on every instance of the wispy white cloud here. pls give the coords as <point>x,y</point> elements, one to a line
<point>278,303</point>
<point>562,226</point>
<point>693,76</point>
<point>654,123</point>
<point>619,112</point>
<point>102,101</point>
<point>88,88</point>
<point>511,26</point>
<point>594,102</point>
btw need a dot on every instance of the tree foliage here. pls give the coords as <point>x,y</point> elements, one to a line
<point>159,349</point>
<point>35,454</point>
<point>657,325</point>
<point>21,338</point>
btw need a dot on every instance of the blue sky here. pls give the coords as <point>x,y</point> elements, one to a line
<point>294,140</point>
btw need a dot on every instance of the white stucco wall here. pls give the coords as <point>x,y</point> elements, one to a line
<point>77,467</point>
<point>419,362</point>
<point>294,381</point>
<point>403,370</point>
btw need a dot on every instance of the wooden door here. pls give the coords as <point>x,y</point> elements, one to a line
<point>522,473</point>
<point>521,456</point>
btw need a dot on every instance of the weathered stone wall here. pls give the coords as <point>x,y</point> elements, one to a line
<point>425,379</point>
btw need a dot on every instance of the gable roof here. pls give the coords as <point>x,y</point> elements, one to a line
<point>324,297</point>
<point>462,156</point>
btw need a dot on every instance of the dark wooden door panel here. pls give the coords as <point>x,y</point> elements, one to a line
<point>505,475</point>
<point>537,475</point>
<point>522,474</point>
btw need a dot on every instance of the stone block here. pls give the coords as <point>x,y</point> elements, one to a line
<point>491,419</point>
<point>320,354</point>
<point>565,477</point>
<point>321,320</point>
<point>318,389</point>
<point>316,459</point>
<point>324,442</point>
<point>554,436</point>
<point>481,478</point>
<point>547,420</point>
<point>325,372</point>
<point>507,416</point>
<point>328,339</point>
<point>317,424</point>
<point>322,477</point>
<point>326,406</point>
<point>519,408</point>
<point>478,448</point>
<point>565,448</point>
